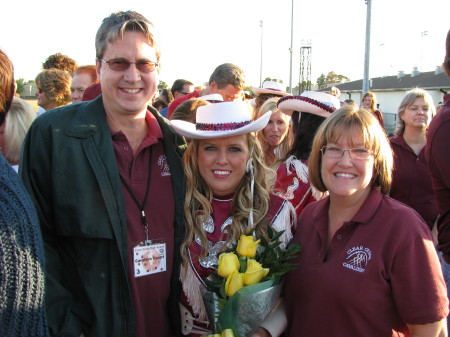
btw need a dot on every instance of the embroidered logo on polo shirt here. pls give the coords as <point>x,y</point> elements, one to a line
<point>162,162</point>
<point>357,258</point>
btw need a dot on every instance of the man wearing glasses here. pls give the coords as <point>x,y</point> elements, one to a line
<point>106,179</point>
<point>181,88</point>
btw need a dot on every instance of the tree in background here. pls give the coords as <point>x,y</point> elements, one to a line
<point>321,81</point>
<point>273,80</point>
<point>20,83</point>
<point>162,85</point>
<point>301,87</point>
<point>330,79</point>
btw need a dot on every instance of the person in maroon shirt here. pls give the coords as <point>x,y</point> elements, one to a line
<point>411,182</point>
<point>107,181</point>
<point>437,152</point>
<point>369,101</point>
<point>222,163</point>
<point>227,80</point>
<point>92,92</point>
<point>368,265</point>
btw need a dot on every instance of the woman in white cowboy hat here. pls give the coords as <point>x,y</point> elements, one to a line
<point>307,112</point>
<point>226,196</point>
<point>274,138</point>
<point>269,89</point>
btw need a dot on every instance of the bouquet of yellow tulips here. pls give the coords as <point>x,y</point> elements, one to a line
<point>248,283</point>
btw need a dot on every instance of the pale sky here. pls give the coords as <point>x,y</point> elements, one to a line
<point>199,35</point>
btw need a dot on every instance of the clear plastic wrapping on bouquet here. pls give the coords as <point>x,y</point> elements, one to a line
<point>245,310</point>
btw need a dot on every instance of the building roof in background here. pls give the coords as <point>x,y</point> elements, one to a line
<point>427,80</point>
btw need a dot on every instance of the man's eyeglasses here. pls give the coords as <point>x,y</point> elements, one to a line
<point>337,152</point>
<point>122,64</point>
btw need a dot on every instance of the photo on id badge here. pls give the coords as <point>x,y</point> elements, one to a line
<point>149,258</point>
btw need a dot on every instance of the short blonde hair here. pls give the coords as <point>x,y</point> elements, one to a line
<point>18,121</point>
<point>407,101</point>
<point>350,121</point>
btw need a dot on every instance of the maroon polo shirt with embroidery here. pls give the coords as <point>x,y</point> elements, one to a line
<point>379,273</point>
<point>411,181</point>
<point>150,293</point>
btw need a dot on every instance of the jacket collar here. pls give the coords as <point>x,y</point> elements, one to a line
<point>88,119</point>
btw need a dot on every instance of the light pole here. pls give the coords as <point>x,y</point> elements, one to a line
<point>260,69</point>
<point>366,83</point>
<point>422,34</point>
<point>291,49</point>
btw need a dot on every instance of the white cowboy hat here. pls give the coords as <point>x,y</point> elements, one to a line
<point>313,102</point>
<point>218,120</point>
<point>270,87</point>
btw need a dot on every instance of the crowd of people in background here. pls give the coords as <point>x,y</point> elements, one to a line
<point>133,191</point>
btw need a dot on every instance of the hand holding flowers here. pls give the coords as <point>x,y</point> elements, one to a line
<point>252,271</point>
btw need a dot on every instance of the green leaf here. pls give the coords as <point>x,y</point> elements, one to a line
<point>270,232</point>
<point>243,265</point>
<point>277,235</point>
<point>222,294</point>
<point>264,242</point>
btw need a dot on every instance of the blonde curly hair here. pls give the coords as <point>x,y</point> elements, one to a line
<point>197,205</point>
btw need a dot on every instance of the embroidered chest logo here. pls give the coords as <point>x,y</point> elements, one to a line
<point>358,258</point>
<point>162,162</point>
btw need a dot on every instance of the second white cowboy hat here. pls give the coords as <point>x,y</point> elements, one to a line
<point>313,102</point>
<point>224,119</point>
<point>270,87</point>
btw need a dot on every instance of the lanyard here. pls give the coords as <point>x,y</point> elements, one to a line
<point>141,207</point>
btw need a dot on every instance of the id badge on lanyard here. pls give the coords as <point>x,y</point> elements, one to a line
<point>149,257</point>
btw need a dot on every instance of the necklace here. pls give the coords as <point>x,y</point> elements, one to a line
<point>223,200</point>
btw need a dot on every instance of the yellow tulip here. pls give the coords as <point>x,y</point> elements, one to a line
<point>227,333</point>
<point>234,283</point>
<point>247,246</point>
<point>228,263</point>
<point>255,272</point>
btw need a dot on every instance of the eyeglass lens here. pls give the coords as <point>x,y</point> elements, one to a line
<point>337,152</point>
<point>121,65</point>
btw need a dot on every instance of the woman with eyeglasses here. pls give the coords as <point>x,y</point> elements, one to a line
<point>307,111</point>
<point>411,182</point>
<point>368,265</point>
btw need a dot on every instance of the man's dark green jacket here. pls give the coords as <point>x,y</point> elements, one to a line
<point>69,167</point>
